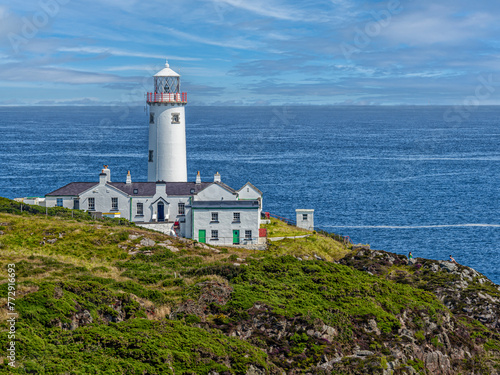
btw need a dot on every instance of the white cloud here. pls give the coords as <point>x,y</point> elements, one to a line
<point>119,52</point>
<point>15,72</point>
<point>264,8</point>
<point>238,43</point>
<point>437,25</point>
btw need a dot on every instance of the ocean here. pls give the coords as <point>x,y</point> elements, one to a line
<point>398,178</point>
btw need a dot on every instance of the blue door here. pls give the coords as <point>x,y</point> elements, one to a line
<point>161,211</point>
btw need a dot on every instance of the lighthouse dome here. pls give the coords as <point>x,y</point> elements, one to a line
<point>166,72</point>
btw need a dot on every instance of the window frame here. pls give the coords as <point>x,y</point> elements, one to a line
<point>214,235</point>
<point>139,212</point>
<point>151,156</point>
<point>151,117</point>
<point>214,217</point>
<point>236,217</point>
<point>181,208</point>
<point>91,204</point>
<point>305,217</point>
<point>248,234</point>
<point>114,207</point>
<point>176,118</point>
<point>59,202</point>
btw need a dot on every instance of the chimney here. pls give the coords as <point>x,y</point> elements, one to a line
<point>107,172</point>
<point>198,178</point>
<point>217,177</point>
<point>161,187</point>
<point>129,178</point>
<point>102,178</point>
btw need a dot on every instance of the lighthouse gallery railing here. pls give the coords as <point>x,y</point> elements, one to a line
<point>164,97</point>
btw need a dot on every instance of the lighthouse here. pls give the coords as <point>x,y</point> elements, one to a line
<point>167,128</point>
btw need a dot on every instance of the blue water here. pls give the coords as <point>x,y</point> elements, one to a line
<point>399,178</point>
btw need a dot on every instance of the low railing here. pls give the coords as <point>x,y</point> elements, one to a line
<point>165,97</point>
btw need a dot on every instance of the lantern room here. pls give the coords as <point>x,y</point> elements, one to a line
<point>167,87</point>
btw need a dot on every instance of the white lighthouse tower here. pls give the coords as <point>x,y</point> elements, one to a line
<point>167,128</point>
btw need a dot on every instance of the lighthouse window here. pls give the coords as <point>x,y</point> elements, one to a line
<point>151,118</point>
<point>176,118</point>
<point>59,202</point>
<point>150,156</point>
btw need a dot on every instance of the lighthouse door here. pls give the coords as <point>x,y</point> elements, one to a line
<point>161,211</point>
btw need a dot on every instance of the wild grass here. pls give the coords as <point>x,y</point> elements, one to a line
<point>89,268</point>
<point>278,228</point>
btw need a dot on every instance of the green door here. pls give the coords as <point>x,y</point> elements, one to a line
<point>202,236</point>
<point>236,237</point>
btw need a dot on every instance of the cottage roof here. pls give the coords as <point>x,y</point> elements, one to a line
<point>144,189</point>
<point>73,188</point>
<point>222,184</point>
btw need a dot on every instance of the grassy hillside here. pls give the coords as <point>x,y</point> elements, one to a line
<point>100,297</point>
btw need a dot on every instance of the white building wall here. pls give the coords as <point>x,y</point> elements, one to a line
<point>215,193</point>
<point>167,140</point>
<point>102,195</point>
<point>202,220</point>
<point>248,192</point>
<point>67,201</point>
<point>309,222</point>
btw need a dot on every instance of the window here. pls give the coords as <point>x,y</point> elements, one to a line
<point>304,217</point>
<point>150,156</point>
<point>215,217</point>
<point>114,203</point>
<point>176,118</point>
<point>59,202</point>
<point>136,191</point>
<point>92,204</point>
<point>236,217</point>
<point>215,235</point>
<point>248,235</point>
<point>181,209</point>
<point>76,203</point>
<point>140,209</point>
<point>151,118</point>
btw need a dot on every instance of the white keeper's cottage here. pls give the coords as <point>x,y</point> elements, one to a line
<point>209,212</point>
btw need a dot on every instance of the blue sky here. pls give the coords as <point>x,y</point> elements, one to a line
<point>240,52</point>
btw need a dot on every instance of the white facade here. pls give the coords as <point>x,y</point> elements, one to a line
<point>220,217</point>
<point>305,218</point>
<point>250,192</point>
<point>167,129</point>
<point>209,212</point>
